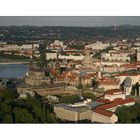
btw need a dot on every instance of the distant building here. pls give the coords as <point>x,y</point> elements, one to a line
<point>15,47</point>
<point>128,67</point>
<point>109,83</point>
<point>36,77</point>
<point>138,56</point>
<point>87,60</point>
<point>110,68</point>
<point>71,56</point>
<point>51,55</point>
<point>97,46</point>
<point>137,42</point>
<point>115,57</point>
<point>57,43</point>
<point>113,94</point>
<point>56,46</point>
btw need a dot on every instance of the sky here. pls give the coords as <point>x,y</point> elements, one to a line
<point>69,20</point>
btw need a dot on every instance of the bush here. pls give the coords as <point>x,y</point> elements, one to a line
<point>69,99</point>
<point>89,95</point>
<point>6,94</point>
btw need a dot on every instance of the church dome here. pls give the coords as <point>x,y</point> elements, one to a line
<point>88,60</point>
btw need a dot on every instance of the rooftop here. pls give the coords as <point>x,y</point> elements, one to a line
<point>70,108</point>
<point>116,103</point>
<point>103,112</point>
<point>108,81</point>
<point>88,106</point>
<point>113,91</point>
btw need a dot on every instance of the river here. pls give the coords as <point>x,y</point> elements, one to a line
<point>13,70</point>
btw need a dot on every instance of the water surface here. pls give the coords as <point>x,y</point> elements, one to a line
<point>13,70</point>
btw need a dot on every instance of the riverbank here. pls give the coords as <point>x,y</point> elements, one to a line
<point>14,62</point>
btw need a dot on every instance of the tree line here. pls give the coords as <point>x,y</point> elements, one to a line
<point>31,110</point>
<point>129,114</point>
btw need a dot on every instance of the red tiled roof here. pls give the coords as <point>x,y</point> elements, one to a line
<point>109,105</point>
<point>103,112</point>
<point>129,65</point>
<point>108,81</point>
<point>89,76</point>
<point>103,100</point>
<point>121,101</point>
<point>116,102</point>
<point>112,91</point>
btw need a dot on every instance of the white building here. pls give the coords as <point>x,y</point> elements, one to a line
<point>15,47</point>
<point>57,43</point>
<point>97,46</point>
<point>72,57</point>
<point>137,43</point>
<point>115,57</point>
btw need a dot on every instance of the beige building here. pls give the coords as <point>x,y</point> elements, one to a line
<point>138,56</point>
<point>99,111</point>
<point>74,114</point>
<point>52,55</point>
<point>109,83</point>
<point>87,60</point>
<point>36,77</point>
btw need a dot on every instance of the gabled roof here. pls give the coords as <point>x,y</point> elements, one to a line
<point>103,100</point>
<point>108,81</point>
<point>113,91</point>
<point>103,112</point>
<point>116,102</point>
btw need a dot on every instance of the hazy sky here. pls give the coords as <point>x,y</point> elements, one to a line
<point>69,21</point>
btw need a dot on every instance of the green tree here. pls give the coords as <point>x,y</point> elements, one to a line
<point>7,118</point>
<point>5,108</point>
<point>94,83</point>
<point>22,116</point>
<point>42,59</point>
<point>7,94</point>
<point>51,118</point>
<point>129,114</point>
<point>38,108</point>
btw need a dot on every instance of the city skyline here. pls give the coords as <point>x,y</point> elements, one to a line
<point>89,21</point>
